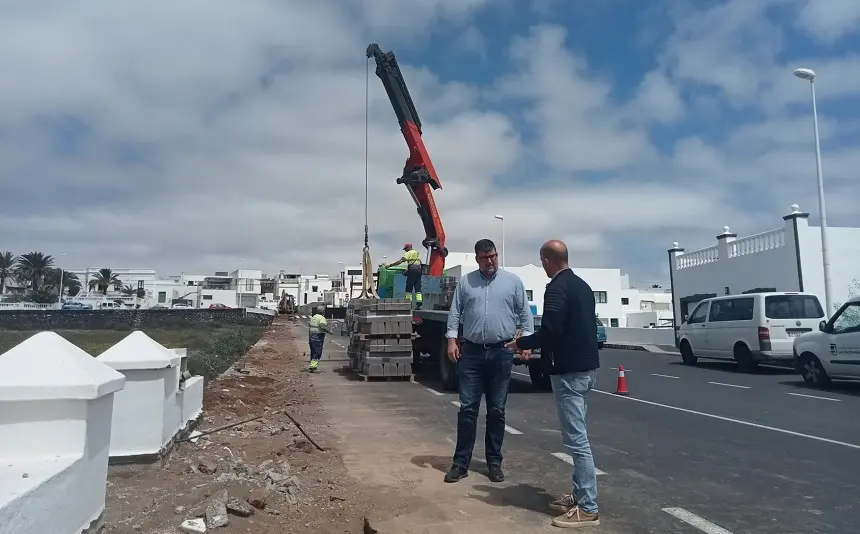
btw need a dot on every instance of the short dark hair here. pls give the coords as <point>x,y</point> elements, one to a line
<point>484,245</point>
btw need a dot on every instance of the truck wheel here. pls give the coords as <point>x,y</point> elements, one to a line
<point>447,369</point>
<point>687,355</point>
<point>600,346</point>
<point>539,376</point>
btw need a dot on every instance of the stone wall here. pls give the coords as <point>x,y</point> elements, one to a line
<point>125,319</point>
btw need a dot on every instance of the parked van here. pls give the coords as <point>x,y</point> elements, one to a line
<point>750,328</point>
<point>833,351</point>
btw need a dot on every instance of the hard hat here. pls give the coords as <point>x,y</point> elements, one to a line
<point>407,245</point>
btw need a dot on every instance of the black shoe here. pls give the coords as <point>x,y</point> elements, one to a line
<point>455,474</point>
<point>496,474</point>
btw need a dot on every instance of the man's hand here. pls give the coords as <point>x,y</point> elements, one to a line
<point>453,350</point>
<point>525,355</point>
<point>512,345</point>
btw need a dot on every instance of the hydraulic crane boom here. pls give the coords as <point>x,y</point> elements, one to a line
<point>419,176</point>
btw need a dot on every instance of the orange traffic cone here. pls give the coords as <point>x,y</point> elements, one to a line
<point>621,389</point>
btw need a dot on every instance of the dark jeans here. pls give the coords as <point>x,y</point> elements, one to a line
<point>316,343</point>
<point>413,279</point>
<point>482,372</point>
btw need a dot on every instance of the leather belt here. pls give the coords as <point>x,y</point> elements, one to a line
<point>487,346</point>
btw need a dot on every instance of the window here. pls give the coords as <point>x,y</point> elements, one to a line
<point>598,321</point>
<point>530,295</point>
<point>315,288</point>
<point>162,297</point>
<point>848,320</point>
<point>699,314</point>
<point>249,284</point>
<point>613,322</point>
<point>625,301</point>
<point>793,307</point>
<point>600,297</point>
<point>740,309</point>
<point>207,297</point>
<point>353,272</point>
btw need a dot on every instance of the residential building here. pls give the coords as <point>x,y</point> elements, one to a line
<point>787,258</point>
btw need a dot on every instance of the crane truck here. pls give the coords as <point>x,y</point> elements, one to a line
<point>429,345</point>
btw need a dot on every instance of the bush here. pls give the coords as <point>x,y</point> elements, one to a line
<point>222,352</point>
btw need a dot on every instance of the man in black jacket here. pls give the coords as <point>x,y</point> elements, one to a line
<point>568,335</point>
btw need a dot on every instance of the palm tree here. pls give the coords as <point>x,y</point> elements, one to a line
<point>128,290</point>
<point>32,267</point>
<point>7,265</point>
<point>104,279</point>
<point>71,283</point>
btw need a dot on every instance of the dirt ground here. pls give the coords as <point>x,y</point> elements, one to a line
<point>275,479</point>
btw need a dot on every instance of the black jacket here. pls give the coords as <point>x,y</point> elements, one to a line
<point>568,330</point>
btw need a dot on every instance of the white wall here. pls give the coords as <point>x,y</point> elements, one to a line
<point>768,260</point>
<point>217,296</point>
<point>312,287</point>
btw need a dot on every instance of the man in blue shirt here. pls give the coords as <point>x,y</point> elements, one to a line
<point>491,304</point>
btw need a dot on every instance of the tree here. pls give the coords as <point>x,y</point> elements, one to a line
<point>104,279</point>
<point>32,267</point>
<point>128,290</point>
<point>7,265</point>
<point>71,283</point>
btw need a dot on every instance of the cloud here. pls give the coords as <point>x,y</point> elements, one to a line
<point>197,134</point>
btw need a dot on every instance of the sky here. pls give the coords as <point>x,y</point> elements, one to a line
<point>210,135</point>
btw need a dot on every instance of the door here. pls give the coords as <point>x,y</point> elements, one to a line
<point>844,329</point>
<point>696,326</point>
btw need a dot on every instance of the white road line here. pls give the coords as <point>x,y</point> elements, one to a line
<point>665,376</point>
<point>433,391</point>
<point>693,520</point>
<point>564,457</point>
<point>520,374</point>
<point>626,370</point>
<point>449,440</point>
<point>456,403</point>
<point>814,397</point>
<point>730,420</point>
<point>729,385</point>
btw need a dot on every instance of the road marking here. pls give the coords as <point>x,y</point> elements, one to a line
<point>449,440</point>
<point>626,370</point>
<point>814,397</point>
<point>731,420</point>
<point>457,404</point>
<point>433,391</point>
<point>729,385</point>
<point>664,376</point>
<point>693,520</point>
<point>564,457</point>
<point>521,374</point>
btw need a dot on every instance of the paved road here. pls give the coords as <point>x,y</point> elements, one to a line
<point>703,449</point>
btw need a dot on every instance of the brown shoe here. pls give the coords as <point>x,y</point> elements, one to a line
<point>563,503</point>
<point>575,518</point>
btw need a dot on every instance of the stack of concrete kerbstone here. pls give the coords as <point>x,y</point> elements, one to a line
<point>380,342</point>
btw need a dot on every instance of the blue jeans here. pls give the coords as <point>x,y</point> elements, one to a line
<point>571,391</point>
<point>482,372</point>
<point>316,345</point>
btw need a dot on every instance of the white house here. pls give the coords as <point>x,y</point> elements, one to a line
<point>783,259</point>
<point>312,288</point>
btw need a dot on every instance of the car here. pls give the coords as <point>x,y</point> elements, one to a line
<point>833,351</point>
<point>749,328</point>
<point>601,334</point>
<point>219,306</point>
<point>181,306</point>
<point>75,305</point>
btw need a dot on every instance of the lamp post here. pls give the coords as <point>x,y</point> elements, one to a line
<point>60,291</point>
<point>502,218</point>
<point>809,74</point>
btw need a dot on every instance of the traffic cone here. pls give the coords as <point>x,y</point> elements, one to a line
<point>621,389</point>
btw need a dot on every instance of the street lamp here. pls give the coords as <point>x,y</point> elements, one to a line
<point>502,218</point>
<point>809,74</point>
<point>60,292</point>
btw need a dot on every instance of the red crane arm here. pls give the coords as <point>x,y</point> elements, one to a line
<point>419,176</point>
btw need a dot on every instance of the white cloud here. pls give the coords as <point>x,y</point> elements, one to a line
<point>829,20</point>
<point>249,120</point>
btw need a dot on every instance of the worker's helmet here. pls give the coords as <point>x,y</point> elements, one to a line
<point>320,310</point>
<point>407,246</point>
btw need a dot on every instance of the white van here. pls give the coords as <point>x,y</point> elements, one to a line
<point>833,351</point>
<point>750,329</point>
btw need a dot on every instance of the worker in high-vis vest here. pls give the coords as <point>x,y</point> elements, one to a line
<point>414,271</point>
<point>317,329</point>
